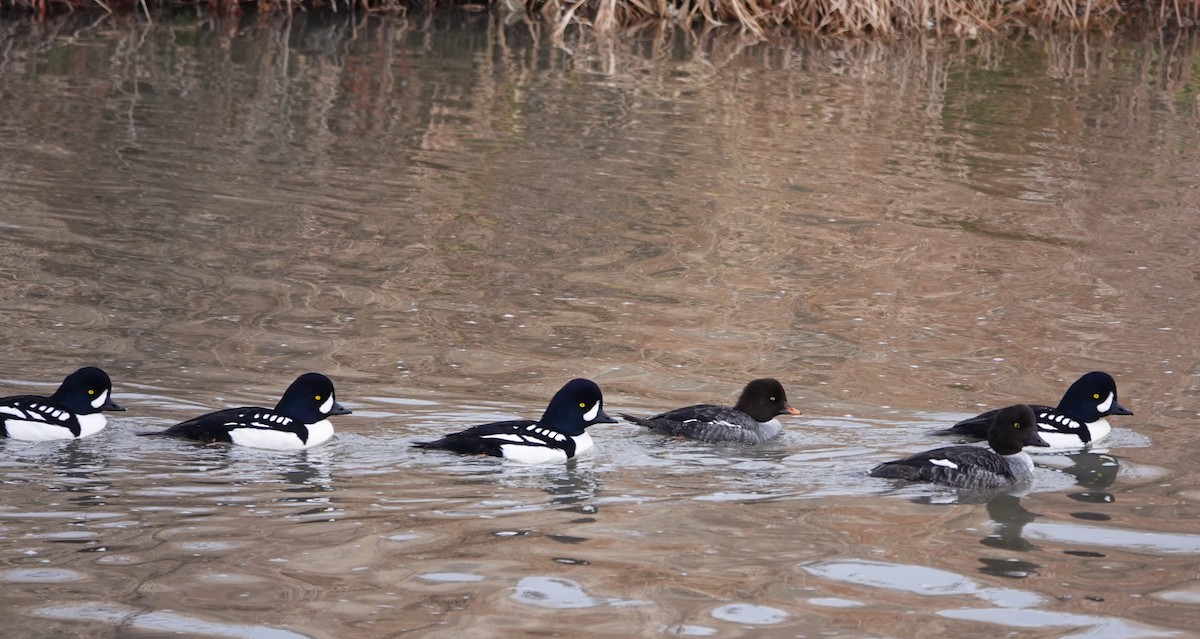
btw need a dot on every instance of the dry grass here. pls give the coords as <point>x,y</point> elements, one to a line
<point>755,17</point>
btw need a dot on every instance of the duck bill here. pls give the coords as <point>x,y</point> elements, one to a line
<point>338,409</point>
<point>1035,439</point>
<point>791,410</point>
<point>1118,409</point>
<point>111,405</point>
<point>603,418</point>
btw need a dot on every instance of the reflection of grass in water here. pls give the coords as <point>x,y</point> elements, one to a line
<point>972,226</point>
<point>828,17</point>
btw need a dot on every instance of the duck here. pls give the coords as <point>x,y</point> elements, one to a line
<point>751,421</point>
<point>1078,421</point>
<point>1002,465</point>
<point>72,412</point>
<point>300,420</point>
<point>560,434</point>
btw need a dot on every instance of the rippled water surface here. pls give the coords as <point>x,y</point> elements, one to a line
<point>451,217</point>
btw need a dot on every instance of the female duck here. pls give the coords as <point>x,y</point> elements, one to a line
<point>750,421</point>
<point>1077,421</point>
<point>974,467</point>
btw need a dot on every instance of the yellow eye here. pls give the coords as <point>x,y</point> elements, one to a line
<point>318,398</point>
<point>1016,424</point>
<point>91,392</point>
<point>582,405</point>
<point>1095,395</point>
<point>772,399</point>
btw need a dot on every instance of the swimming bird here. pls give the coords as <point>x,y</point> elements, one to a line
<point>750,421</point>
<point>72,412</point>
<point>559,435</point>
<point>1077,421</point>
<point>976,467</point>
<point>300,420</point>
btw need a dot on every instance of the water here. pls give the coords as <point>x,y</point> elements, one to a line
<point>450,217</point>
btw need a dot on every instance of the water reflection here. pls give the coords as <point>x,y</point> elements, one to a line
<point>1010,518</point>
<point>1092,470</point>
<point>451,211</point>
<point>919,580</point>
<point>99,614</point>
<point>1098,626</point>
<point>556,592</point>
<point>1095,472</point>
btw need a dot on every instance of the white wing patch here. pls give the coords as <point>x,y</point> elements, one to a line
<point>944,462</point>
<point>41,412</point>
<point>547,433</point>
<point>508,437</point>
<point>263,420</point>
<point>1057,422</point>
<point>9,410</point>
<point>1062,439</point>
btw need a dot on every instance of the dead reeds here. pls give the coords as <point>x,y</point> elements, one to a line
<point>851,18</point>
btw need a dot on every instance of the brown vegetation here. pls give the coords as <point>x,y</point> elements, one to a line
<point>757,17</point>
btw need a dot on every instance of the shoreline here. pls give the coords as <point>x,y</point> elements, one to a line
<point>827,18</point>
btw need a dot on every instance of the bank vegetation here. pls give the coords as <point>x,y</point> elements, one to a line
<point>757,17</point>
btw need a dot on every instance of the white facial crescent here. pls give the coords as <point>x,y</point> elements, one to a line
<point>592,412</point>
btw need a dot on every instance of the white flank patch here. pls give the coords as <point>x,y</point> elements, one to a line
<point>582,442</point>
<point>944,462</point>
<point>91,424</point>
<point>1106,404</point>
<point>328,405</point>
<point>592,412</point>
<point>319,433</point>
<point>272,439</point>
<point>532,454</point>
<point>100,399</point>
<point>9,410</point>
<point>36,431</point>
<point>1099,429</point>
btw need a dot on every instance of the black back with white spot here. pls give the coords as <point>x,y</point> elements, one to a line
<point>974,467</point>
<point>748,422</point>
